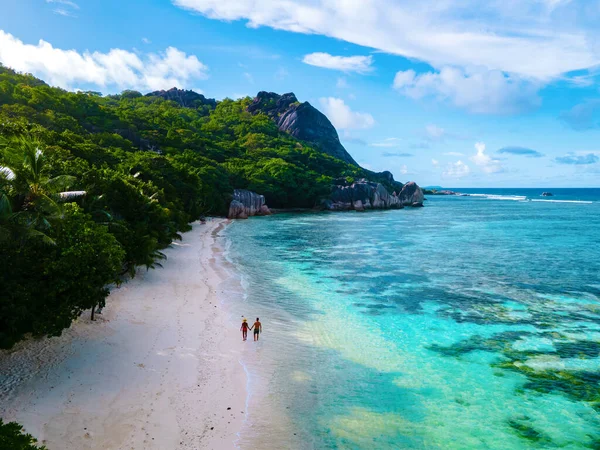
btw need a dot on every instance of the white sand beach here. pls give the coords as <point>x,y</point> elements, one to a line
<point>160,369</point>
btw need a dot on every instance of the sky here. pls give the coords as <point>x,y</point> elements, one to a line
<point>453,93</point>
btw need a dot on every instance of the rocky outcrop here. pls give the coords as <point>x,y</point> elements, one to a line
<point>187,99</point>
<point>247,203</point>
<point>362,195</point>
<point>411,194</point>
<point>301,120</point>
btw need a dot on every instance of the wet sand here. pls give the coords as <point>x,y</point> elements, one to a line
<point>159,369</point>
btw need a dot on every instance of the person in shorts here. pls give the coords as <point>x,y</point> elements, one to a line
<point>257,329</point>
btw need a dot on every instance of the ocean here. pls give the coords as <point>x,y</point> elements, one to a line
<point>471,323</point>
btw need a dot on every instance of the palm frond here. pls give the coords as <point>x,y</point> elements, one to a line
<point>7,173</point>
<point>47,205</point>
<point>36,234</point>
<point>59,183</point>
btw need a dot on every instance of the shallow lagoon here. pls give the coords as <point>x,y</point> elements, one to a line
<point>471,323</point>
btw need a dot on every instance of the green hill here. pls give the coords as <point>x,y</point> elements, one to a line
<point>93,186</point>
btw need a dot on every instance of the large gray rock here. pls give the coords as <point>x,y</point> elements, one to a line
<point>301,120</point>
<point>360,196</point>
<point>411,194</point>
<point>247,203</point>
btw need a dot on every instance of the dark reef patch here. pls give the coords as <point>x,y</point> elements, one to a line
<point>576,385</point>
<point>521,428</point>
<point>578,349</point>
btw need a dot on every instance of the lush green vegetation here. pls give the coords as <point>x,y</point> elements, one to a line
<point>12,437</point>
<point>92,187</point>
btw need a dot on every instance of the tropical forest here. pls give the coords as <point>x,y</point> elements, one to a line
<point>93,187</point>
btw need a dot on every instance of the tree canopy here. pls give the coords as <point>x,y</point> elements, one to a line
<point>93,186</point>
<point>12,437</point>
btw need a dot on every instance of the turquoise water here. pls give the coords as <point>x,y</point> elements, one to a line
<point>470,323</point>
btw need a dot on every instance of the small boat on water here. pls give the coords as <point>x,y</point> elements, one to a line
<point>547,194</point>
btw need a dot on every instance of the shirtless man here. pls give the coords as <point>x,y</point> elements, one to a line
<point>244,329</point>
<point>257,329</point>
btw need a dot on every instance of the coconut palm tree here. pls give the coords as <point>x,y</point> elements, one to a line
<point>36,196</point>
<point>13,225</point>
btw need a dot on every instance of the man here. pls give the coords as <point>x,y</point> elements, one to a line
<point>257,329</point>
<point>244,329</point>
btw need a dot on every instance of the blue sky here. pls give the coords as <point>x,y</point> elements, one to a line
<point>450,93</point>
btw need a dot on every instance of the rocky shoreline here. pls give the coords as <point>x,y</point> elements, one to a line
<point>441,192</point>
<point>361,195</point>
<point>306,123</point>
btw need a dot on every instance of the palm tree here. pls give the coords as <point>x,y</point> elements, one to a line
<point>13,225</point>
<point>36,195</point>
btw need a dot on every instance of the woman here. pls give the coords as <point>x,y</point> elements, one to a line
<point>244,329</point>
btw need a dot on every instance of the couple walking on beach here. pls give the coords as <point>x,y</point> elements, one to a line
<point>257,329</point>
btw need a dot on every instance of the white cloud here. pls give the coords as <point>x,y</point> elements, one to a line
<point>65,7</point>
<point>486,162</point>
<point>145,40</point>
<point>386,143</point>
<point>404,78</point>
<point>529,38</point>
<point>359,64</point>
<point>342,117</point>
<point>454,154</point>
<point>341,83</point>
<point>582,80</point>
<point>435,162</point>
<point>63,12</point>
<point>477,90</point>
<point>67,3</point>
<point>404,169</point>
<point>456,170</point>
<point>118,68</point>
<point>249,78</point>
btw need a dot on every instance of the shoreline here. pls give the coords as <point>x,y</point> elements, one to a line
<point>161,368</point>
